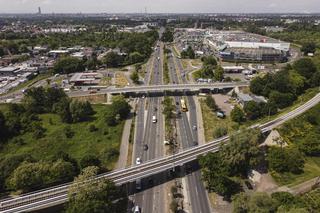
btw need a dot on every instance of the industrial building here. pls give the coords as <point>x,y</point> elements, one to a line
<point>243,46</point>
<point>86,78</point>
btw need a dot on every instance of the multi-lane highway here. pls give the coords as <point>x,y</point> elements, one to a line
<point>58,194</point>
<point>150,146</point>
<point>189,137</point>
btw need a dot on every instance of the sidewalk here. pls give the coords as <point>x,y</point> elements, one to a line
<point>122,161</point>
<point>201,137</point>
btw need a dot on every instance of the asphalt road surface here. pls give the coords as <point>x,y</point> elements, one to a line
<point>189,137</point>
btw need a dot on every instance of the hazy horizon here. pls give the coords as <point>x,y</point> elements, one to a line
<point>160,6</point>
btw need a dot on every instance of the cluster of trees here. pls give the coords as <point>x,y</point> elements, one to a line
<point>32,175</point>
<point>300,33</point>
<point>68,65</point>
<point>8,47</point>
<point>309,47</point>
<point>188,53</point>
<point>136,46</point>
<point>307,132</point>
<point>210,69</point>
<point>254,110</point>
<point>21,118</point>
<point>282,88</point>
<point>167,35</point>
<point>23,172</point>
<point>277,202</point>
<point>285,160</point>
<point>87,195</point>
<point>118,111</point>
<point>135,77</point>
<point>234,159</point>
<point>211,103</point>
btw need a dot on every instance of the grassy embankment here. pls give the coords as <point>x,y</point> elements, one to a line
<point>101,143</point>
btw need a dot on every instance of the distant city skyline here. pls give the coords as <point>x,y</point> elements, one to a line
<point>160,6</point>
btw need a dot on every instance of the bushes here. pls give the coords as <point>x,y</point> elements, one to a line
<point>211,103</point>
<point>237,115</point>
<point>285,160</point>
<point>119,110</point>
<point>220,132</point>
<point>30,176</point>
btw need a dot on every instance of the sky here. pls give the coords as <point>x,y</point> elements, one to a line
<point>160,6</point>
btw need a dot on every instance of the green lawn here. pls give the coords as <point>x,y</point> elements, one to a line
<point>211,122</point>
<point>97,143</point>
<point>311,170</point>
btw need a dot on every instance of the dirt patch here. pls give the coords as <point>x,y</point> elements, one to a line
<point>265,183</point>
<point>103,98</point>
<point>121,80</point>
<point>223,103</point>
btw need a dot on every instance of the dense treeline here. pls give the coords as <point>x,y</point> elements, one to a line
<point>283,88</point>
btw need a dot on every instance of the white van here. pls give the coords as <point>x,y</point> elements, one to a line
<point>154,119</point>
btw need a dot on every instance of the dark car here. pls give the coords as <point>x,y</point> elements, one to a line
<point>145,147</point>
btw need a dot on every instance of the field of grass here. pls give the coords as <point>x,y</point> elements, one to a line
<point>197,74</point>
<point>98,143</point>
<point>311,170</point>
<point>211,122</point>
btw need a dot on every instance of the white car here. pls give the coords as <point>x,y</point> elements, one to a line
<point>138,161</point>
<point>136,209</point>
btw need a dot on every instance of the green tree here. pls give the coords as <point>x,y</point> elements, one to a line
<point>285,160</point>
<point>310,144</point>
<point>68,65</point>
<point>29,176</point>
<point>121,106</point>
<point>167,35</point>
<point>80,111</point>
<point>211,103</point>
<point>252,110</point>
<point>305,67</point>
<point>242,153</point>
<point>90,160</point>
<point>135,57</point>
<point>218,73</point>
<point>240,203</point>
<point>309,47</point>
<point>220,132</point>
<point>237,115</point>
<point>215,174</point>
<point>282,100</point>
<point>62,108</point>
<point>209,60</point>
<point>261,202</point>
<point>112,59</point>
<point>135,77</point>
<point>87,195</point>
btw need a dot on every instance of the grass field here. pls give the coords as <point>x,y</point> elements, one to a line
<point>98,143</point>
<point>311,170</point>
<point>211,122</point>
